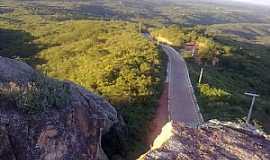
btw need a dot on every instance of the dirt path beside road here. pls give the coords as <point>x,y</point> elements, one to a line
<point>160,117</point>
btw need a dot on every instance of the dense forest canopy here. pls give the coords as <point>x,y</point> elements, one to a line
<point>171,34</point>
<point>110,58</point>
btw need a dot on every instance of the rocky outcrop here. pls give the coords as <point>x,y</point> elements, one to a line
<point>69,132</point>
<point>15,71</point>
<point>213,140</point>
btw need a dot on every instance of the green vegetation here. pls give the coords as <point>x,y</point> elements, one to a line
<point>235,60</point>
<point>248,32</point>
<point>187,12</point>
<point>242,67</point>
<point>206,48</point>
<point>123,62</point>
<point>97,44</point>
<point>37,96</point>
<point>172,34</point>
<point>109,58</point>
<point>207,91</point>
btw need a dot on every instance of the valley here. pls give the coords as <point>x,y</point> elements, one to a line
<point>99,45</point>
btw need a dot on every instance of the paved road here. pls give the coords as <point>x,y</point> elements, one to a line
<point>182,103</point>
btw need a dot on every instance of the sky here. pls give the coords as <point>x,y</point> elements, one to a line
<point>261,2</point>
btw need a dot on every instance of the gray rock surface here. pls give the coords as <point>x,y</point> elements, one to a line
<point>213,140</point>
<point>71,132</point>
<point>15,71</point>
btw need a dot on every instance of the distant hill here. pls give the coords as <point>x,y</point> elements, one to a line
<point>187,12</point>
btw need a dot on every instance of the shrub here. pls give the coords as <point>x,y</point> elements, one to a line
<point>213,93</point>
<point>172,34</point>
<point>38,95</point>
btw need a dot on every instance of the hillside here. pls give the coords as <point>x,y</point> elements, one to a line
<point>101,46</point>
<point>255,33</point>
<point>84,115</point>
<point>109,58</point>
<point>244,69</point>
<point>235,58</point>
<point>157,12</point>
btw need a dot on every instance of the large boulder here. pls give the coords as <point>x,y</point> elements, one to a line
<point>15,71</point>
<point>212,140</point>
<point>69,132</point>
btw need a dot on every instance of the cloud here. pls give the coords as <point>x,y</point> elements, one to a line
<point>261,2</point>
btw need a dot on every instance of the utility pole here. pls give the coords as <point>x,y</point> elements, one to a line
<point>200,78</point>
<point>140,27</point>
<point>251,106</point>
<point>139,19</point>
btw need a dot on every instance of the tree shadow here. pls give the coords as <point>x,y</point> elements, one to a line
<point>99,10</point>
<point>137,112</point>
<point>4,10</point>
<point>19,44</point>
<point>249,61</point>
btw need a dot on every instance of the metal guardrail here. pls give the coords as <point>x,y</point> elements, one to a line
<point>200,118</point>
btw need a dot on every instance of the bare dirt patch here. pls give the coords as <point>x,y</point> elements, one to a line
<point>160,117</point>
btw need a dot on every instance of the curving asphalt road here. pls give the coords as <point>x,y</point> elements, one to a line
<point>182,104</point>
